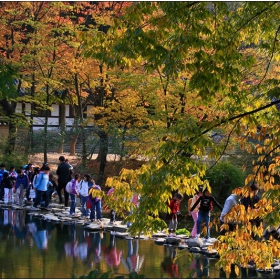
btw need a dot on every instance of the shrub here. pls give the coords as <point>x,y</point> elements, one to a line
<point>223,178</point>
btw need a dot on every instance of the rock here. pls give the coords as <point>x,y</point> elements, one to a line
<point>276,268</point>
<point>194,242</point>
<point>51,217</point>
<point>121,234</point>
<point>195,250</point>
<point>183,246</point>
<point>92,227</point>
<point>160,241</point>
<point>120,228</point>
<point>183,236</point>
<point>159,234</point>
<point>172,240</point>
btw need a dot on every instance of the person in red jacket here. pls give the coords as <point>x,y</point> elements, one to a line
<point>174,206</point>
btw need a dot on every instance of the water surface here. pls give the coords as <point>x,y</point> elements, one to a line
<point>34,248</point>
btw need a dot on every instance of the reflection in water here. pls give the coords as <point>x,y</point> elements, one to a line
<point>169,264</point>
<point>112,254</point>
<point>133,262</point>
<point>31,247</point>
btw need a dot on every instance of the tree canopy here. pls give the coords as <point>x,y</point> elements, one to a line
<point>168,76</point>
<point>214,67</point>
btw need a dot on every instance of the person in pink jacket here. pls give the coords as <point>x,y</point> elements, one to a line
<point>194,213</point>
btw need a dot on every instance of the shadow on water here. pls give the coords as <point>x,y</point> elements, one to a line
<point>31,247</point>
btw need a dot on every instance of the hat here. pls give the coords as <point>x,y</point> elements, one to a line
<point>2,165</point>
<point>61,158</point>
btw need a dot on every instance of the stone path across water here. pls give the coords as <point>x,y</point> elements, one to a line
<point>59,214</point>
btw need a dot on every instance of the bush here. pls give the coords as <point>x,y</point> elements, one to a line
<point>223,178</point>
<point>16,158</point>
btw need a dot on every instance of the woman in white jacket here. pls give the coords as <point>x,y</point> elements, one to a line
<point>83,187</point>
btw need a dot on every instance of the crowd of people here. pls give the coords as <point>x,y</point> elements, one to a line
<point>37,185</point>
<point>201,205</point>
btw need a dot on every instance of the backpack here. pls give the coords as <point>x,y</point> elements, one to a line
<point>68,187</point>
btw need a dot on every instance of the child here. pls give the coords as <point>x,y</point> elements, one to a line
<point>41,186</point>
<point>204,210</point>
<point>83,187</point>
<point>51,186</point>
<point>194,213</point>
<point>96,203</point>
<point>13,174</point>
<point>21,185</point>
<point>174,206</point>
<point>74,192</point>
<point>7,185</point>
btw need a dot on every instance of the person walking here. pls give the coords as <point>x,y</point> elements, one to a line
<point>204,210</point>
<point>7,185</point>
<point>52,186</point>
<point>96,202</point>
<point>83,187</point>
<point>73,186</point>
<point>230,202</point>
<point>21,185</point>
<point>2,171</point>
<point>174,206</point>
<point>194,213</point>
<point>64,176</point>
<point>41,186</point>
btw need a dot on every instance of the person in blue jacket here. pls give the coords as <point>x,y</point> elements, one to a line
<point>21,185</point>
<point>41,187</point>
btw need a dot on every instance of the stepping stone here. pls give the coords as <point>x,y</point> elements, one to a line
<point>172,240</point>
<point>208,252</point>
<point>108,227</point>
<point>120,228</point>
<point>145,237</point>
<point>55,210</point>
<point>65,219</point>
<point>183,236</point>
<point>92,227</point>
<point>195,250</point>
<point>160,241</point>
<point>194,242</point>
<point>159,234</point>
<point>17,207</point>
<point>51,217</point>
<point>183,246</point>
<point>121,234</point>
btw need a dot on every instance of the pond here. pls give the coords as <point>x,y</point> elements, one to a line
<point>31,247</point>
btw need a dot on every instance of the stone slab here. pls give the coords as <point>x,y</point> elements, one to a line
<point>159,234</point>
<point>160,241</point>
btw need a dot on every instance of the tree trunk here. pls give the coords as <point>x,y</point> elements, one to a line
<point>10,148</point>
<point>80,122</point>
<point>102,155</point>
<point>9,109</point>
<point>46,127</point>
<point>73,143</point>
<point>62,125</point>
<point>32,93</point>
<point>122,149</point>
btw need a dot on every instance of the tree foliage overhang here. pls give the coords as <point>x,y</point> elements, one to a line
<point>214,66</point>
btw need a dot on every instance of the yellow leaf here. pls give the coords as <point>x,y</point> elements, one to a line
<point>236,269</point>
